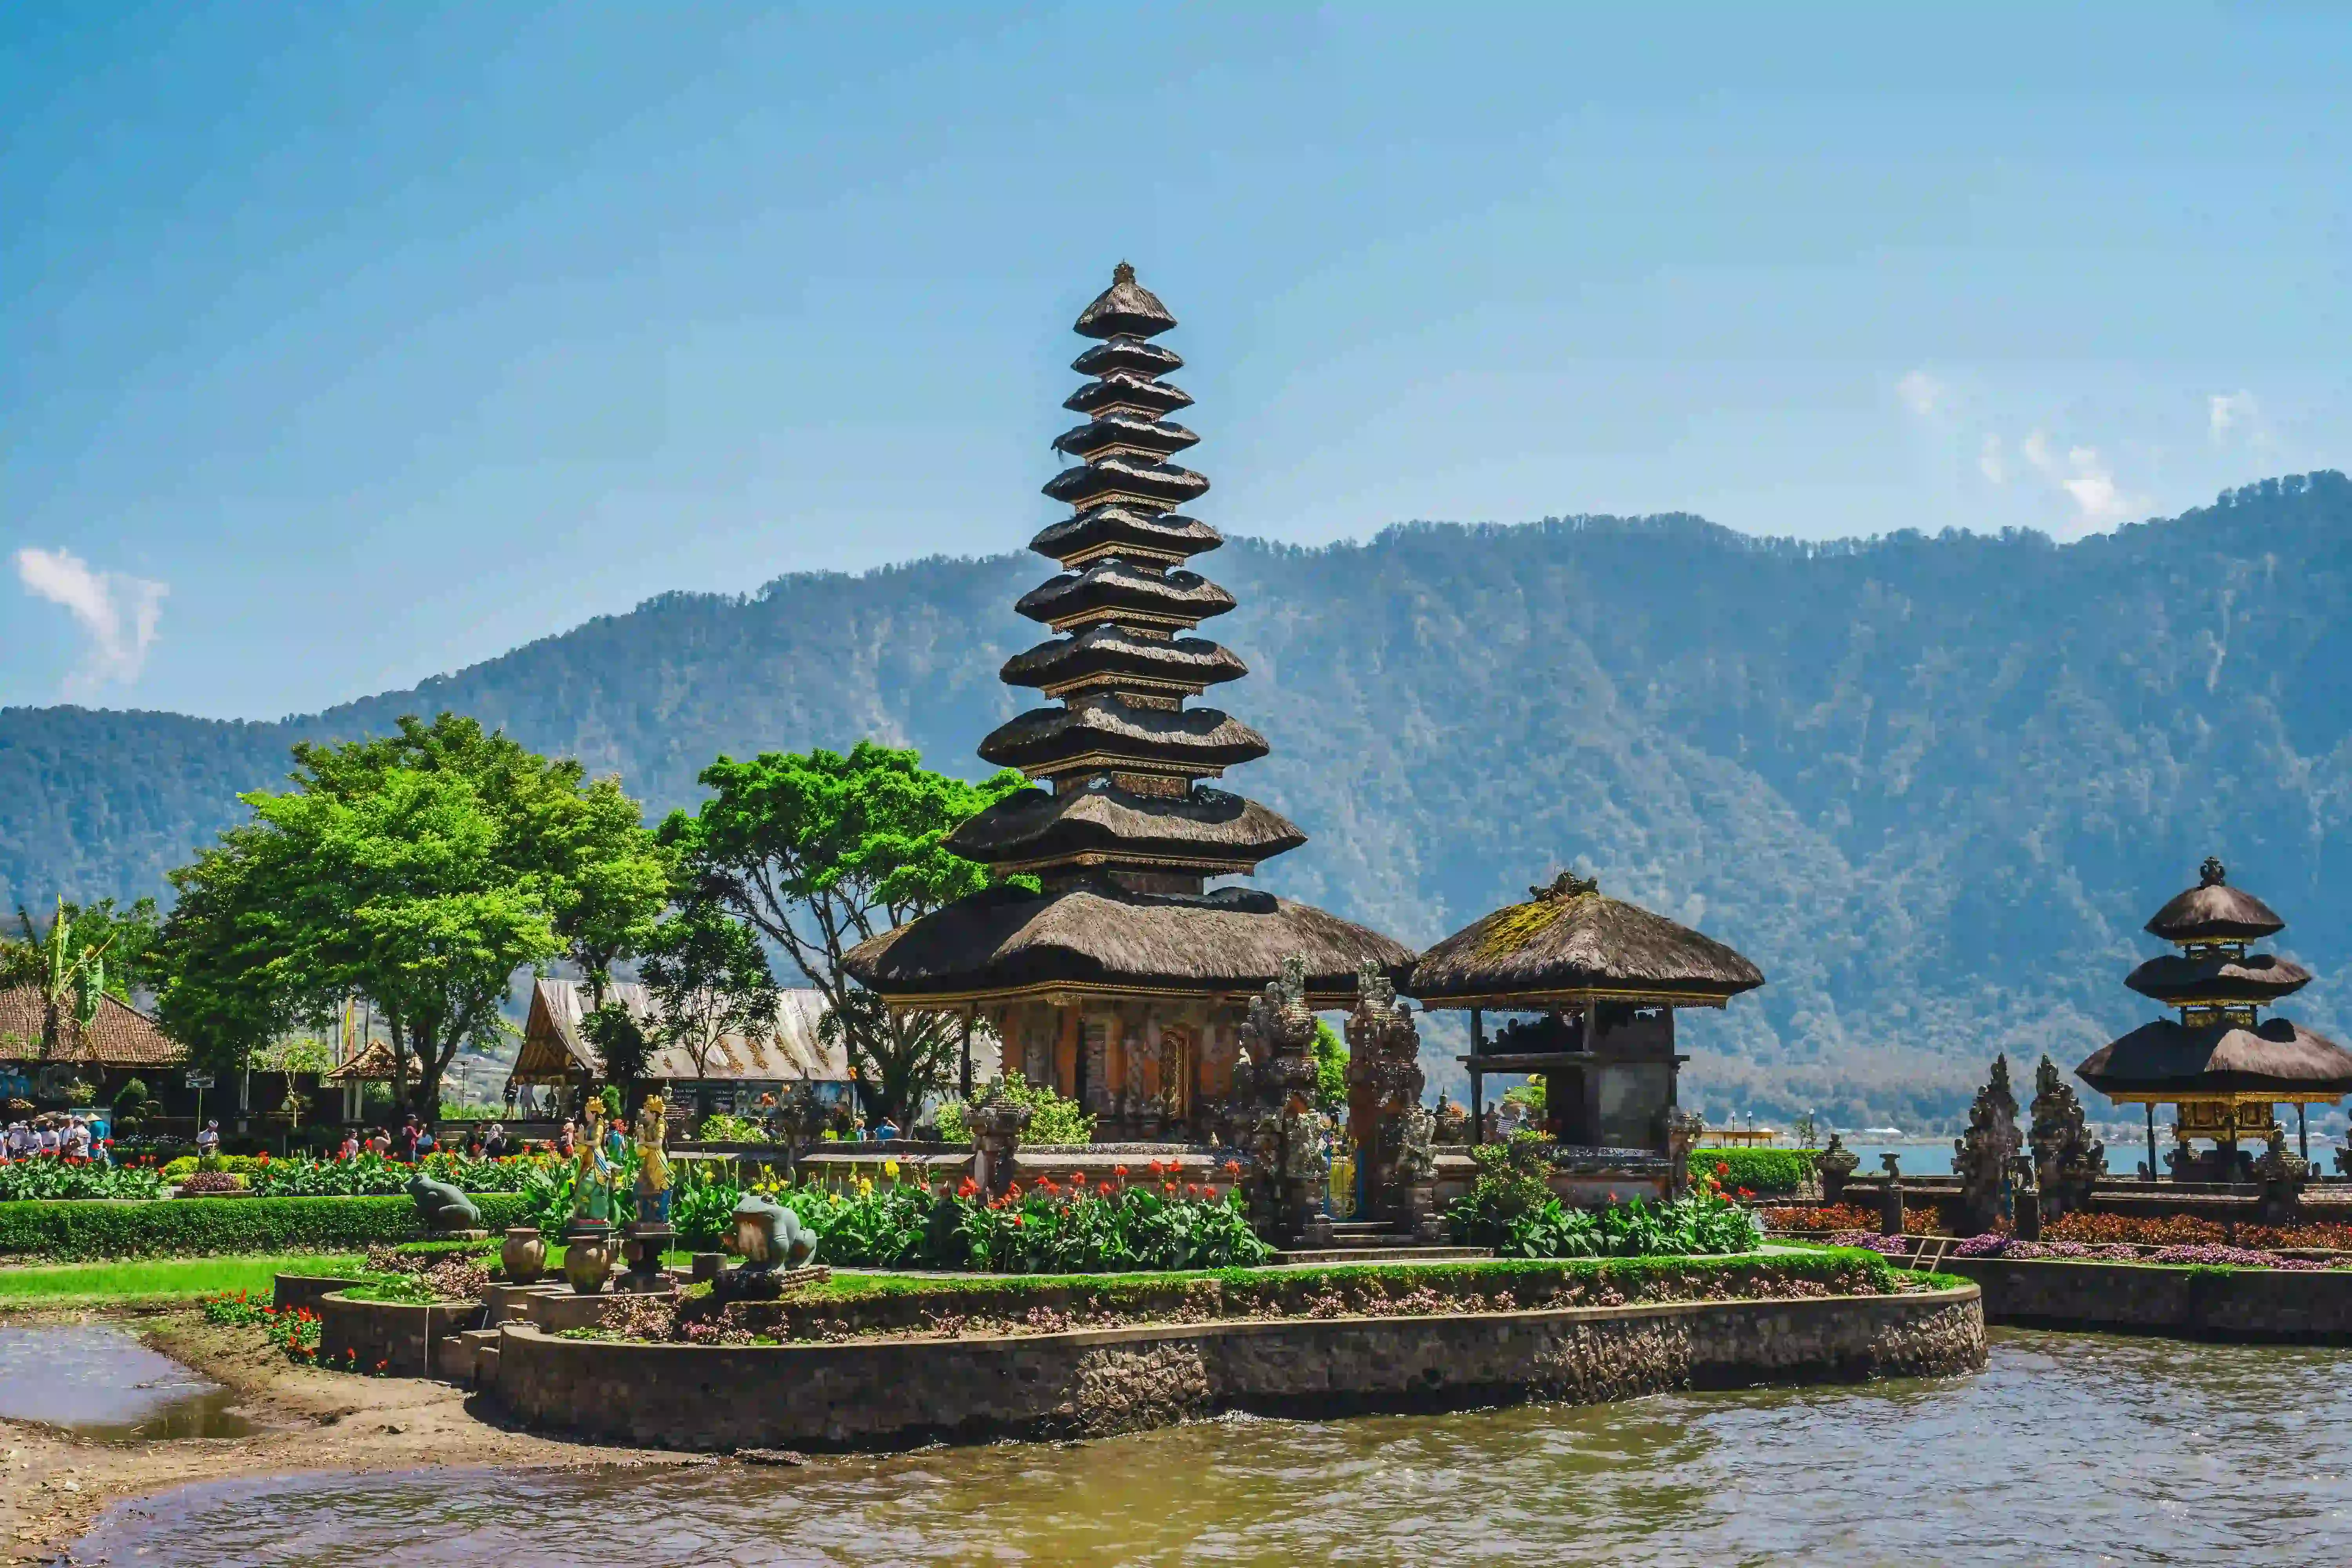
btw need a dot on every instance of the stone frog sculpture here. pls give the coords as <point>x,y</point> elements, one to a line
<point>441,1206</point>
<point>768,1236</point>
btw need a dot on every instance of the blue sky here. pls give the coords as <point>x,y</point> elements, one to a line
<point>339,347</point>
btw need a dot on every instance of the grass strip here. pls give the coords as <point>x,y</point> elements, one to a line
<point>162,1280</point>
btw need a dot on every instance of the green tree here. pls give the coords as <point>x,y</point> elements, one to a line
<point>1330,1055</point>
<point>420,871</point>
<point>708,978</point>
<point>818,852</point>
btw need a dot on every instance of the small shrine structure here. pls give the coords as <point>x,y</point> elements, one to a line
<point>2223,1068</point>
<point>1597,981</point>
<point>1124,980</point>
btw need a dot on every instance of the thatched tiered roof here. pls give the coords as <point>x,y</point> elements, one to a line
<point>2218,1048</point>
<point>1570,944</point>
<point>1123,833</point>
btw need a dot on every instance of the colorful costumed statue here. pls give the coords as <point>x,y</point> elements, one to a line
<point>593,1172</point>
<point>652,1165</point>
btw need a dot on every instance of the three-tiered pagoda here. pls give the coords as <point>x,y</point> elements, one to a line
<point>2225,1069</point>
<point>1123,981</point>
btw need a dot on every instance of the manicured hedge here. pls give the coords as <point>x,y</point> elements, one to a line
<point>1767,1173</point>
<point>194,1227</point>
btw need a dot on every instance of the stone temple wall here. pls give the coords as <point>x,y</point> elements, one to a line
<point>892,1393</point>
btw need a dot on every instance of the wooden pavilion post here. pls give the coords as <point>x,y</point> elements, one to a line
<point>2302,1133</point>
<point>2151,1141</point>
<point>1477,1077</point>
<point>970,1009</point>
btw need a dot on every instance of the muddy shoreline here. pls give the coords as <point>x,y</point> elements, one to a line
<point>54,1484</point>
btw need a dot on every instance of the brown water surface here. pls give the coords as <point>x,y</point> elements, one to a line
<point>97,1381</point>
<point>2071,1450</point>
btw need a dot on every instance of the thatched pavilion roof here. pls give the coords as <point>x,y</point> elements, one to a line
<point>1097,937</point>
<point>2214,911</point>
<point>1126,309</point>
<point>1125,530</point>
<point>1208,827</point>
<point>2164,1058</point>
<point>2217,979</point>
<point>1571,944</point>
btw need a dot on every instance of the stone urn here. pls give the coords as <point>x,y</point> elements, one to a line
<point>588,1258</point>
<point>524,1254</point>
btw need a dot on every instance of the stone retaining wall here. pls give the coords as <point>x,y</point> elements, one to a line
<point>397,1336</point>
<point>2291,1306</point>
<point>893,1393</point>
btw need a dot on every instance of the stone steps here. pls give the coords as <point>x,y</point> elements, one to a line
<point>1392,1251</point>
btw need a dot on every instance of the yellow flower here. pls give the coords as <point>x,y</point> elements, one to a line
<point>865,1187</point>
<point>891,1169</point>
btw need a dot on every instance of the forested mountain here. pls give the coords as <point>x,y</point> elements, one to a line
<point>1931,786</point>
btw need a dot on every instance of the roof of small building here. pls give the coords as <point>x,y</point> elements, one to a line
<point>2213,911</point>
<point>374,1063</point>
<point>554,1049</point>
<point>120,1035</point>
<point>1207,827</point>
<point>1096,936</point>
<point>1570,943</point>
<point>2164,1056</point>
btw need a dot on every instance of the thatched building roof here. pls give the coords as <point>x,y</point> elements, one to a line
<point>1571,943</point>
<point>120,1035</point>
<point>2218,979</point>
<point>2163,1058</point>
<point>1105,939</point>
<point>556,1050</point>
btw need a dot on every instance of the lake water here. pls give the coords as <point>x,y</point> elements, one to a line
<point>2070,1449</point>
<point>96,1380</point>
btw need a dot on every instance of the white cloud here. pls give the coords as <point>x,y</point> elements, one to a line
<point>1923,394</point>
<point>2094,489</point>
<point>2036,447</point>
<point>1990,461</point>
<point>118,613</point>
<point>2229,411</point>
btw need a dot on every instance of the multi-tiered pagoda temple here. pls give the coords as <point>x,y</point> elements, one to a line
<point>1123,981</point>
<point>2224,1069</point>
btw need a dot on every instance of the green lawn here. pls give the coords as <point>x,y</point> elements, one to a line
<point>158,1279</point>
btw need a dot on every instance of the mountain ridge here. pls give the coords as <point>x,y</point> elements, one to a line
<point>1931,784</point>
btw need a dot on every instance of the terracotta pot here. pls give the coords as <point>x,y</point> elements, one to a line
<point>525,1254</point>
<point>587,1261</point>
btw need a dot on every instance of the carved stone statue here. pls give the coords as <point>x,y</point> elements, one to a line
<point>2067,1160</point>
<point>768,1236</point>
<point>1286,1138</point>
<point>1835,1165</point>
<point>442,1207</point>
<point>1416,1175</point>
<point>996,1120</point>
<point>2025,1199</point>
<point>1682,1130</point>
<point>2282,1175</point>
<point>1980,1156</point>
<point>653,1163</point>
<point>1453,1122</point>
<point>1384,1085</point>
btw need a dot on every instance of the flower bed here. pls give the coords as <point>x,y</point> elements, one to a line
<point>189,1227</point>
<point>849,1307</point>
<point>1784,1218</point>
<point>373,1175</point>
<point>293,1330</point>
<point>2182,1230</point>
<point>40,1178</point>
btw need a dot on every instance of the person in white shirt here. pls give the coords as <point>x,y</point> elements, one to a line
<point>77,1140</point>
<point>208,1140</point>
<point>49,1144</point>
<point>19,1140</point>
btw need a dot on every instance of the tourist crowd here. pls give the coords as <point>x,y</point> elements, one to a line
<point>75,1135</point>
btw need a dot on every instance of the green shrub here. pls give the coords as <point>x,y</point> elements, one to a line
<point>724,1127</point>
<point>1053,1119</point>
<point>1511,1209</point>
<point>193,1227</point>
<point>1767,1173</point>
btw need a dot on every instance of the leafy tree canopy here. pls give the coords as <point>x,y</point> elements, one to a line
<point>818,852</point>
<point>419,871</point>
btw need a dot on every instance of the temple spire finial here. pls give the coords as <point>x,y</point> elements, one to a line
<point>2212,873</point>
<point>1122,273</point>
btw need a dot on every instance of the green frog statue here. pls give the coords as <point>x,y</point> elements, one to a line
<point>768,1236</point>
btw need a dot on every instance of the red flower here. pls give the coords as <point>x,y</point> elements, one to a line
<point>1104,1189</point>
<point>1747,1192</point>
<point>1019,1219</point>
<point>1157,1167</point>
<point>1722,1168</point>
<point>1233,1167</point>
<point>968,1188</point>
<point>1168,1187</point>
<point>1120,1171</point>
